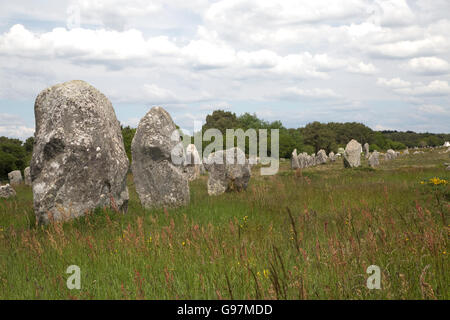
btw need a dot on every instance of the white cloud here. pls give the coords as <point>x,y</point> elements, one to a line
<point>412,48</point>
<point>434,109</point>
<point>13,126</point>
<point>428,66</point>
<point>434,88</point>
<point>84,44</point>
<point>188,55</point>
<point>392,13</point>
<point>313,93</point>
<point>363,68</point>
<point>393,83</point>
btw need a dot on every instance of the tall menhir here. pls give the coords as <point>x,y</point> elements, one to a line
<point>79,160</point>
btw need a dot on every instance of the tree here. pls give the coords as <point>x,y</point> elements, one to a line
<point>128,135</point>
<point>319,136</point>
<point>13,156</point>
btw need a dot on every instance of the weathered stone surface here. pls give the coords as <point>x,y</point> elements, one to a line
<point>294,160</point>
<point>15,177</point>
<point>366,150</point>
<point>321,157</point>
<point>352,154</point>
<point>160,181</point>
<point>7,191</point>
<point>406,151</point>
<point>27,176</point>
<point>390,155</point>
<point>229,170</point>
<point>332,156</point>
<point>192,164</point>
<point>79,160</point>
<point>374,160</point>
<point>302,160</point>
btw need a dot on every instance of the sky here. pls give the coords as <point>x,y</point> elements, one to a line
<point>385,63</point>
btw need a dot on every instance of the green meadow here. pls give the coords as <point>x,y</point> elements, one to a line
<point>305,234</point>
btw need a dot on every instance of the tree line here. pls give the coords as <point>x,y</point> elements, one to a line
<point>16,155</point>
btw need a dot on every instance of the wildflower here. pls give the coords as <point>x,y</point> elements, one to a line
<point>149,240</point>
<point>266,273</point>
<point>258,274</point>
<point>183,243</point>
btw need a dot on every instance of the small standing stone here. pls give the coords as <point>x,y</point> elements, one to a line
<point>27,175</point>
<point>229,170</point>
<point>321,157</point>
<point>374,159</point>
<point>390,155</point>
<point>366,150</point>
<point>352,154</point>
<point>15,177</point>
<point>7,191</point>
<point>294,160</point>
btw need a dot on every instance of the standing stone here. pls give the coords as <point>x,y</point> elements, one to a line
<point>406,151</point>
<point>79,160</point>
<point>366,150</point>
<point>352,154</point>
<point>321,157</point>
<point>192,164</point>
<point>27,176</point>
<point>160,182</point>
<point>7,191</point>
<point>294,160</point>
<point>229,170</point>
<point>331,156</point>
<point>374,159</point>
<point>390,155</point>
<point>302,160</point>
<point>15,177</point>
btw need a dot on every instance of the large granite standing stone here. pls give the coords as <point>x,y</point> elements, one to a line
<point>7,191</point>
<point>27,176</point>
<point>192,164</point>
<point>321,157</point>
<point>160,181</point>
<point>374,159</point>
<point>366,150</point>
<point>15,177</point>
<point>294,160</point>
<point>79,160</point>
<point>352,154</point>
<point>229,170</point>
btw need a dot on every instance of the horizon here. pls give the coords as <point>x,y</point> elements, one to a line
<point>382,63</point>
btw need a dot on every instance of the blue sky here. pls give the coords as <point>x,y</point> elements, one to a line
<point>384,63</point>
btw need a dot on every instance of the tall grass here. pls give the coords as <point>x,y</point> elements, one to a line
<point>308,234</point>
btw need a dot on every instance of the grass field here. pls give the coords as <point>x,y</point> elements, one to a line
<point>308,234</point>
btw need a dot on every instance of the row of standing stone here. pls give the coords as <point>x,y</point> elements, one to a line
<point>79,161</point>
<point>351,156</point>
